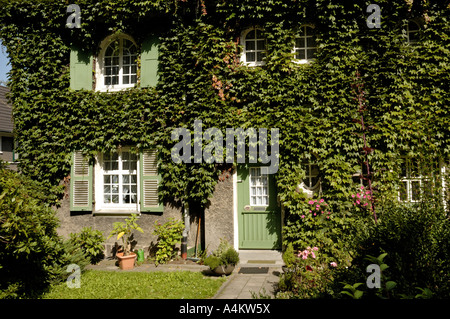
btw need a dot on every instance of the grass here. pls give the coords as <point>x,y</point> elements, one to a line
<point>99,284</point>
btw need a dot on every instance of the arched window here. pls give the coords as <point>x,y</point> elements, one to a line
<point>254,45</point>
<point>412,32</point>
<point>305,45</point>
<point>117,64</point>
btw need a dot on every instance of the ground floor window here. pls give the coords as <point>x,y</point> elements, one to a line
<point>117,180</point>
<point>416,180</point>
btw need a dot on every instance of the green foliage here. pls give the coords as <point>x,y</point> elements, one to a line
<point>415,239</point>
<point>169,234</point>
<point>91,242</point>
<point>124,230</point>
<point>224,255</point>
<point>32,255</point>
<point>307,275</point>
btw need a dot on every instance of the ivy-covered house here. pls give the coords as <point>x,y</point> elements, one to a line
<point>96,108</point>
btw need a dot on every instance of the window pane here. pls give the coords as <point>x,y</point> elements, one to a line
<point>310,31</point>
<point>107,199</point>
<point>415,190</point>
<point>126,59</point>
<point>310,53</point>
<point>133,69</point>
<point>403,192</point>
<point>115,179</point>
<point>125,179</point>
<point>107,179</point>
<point>259,34</point>
<point>300,43</point>
<point>261,44</point>
<point>251,35</point>
<point>126,79</point>
<point>107,81</point>
<point>249,45</point>
<point>300,54</point>
<point>126,69</point>
<point>311,42</point>
<point>115,80</point>
<point>133,79</point>
<point>260,56</point>
<point>250,56</point>
<point>115,199</point>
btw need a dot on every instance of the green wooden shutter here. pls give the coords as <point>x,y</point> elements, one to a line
<point>80,183</point>
<point>149,62</point>
<point>80,70</point>
<point>149,182</point>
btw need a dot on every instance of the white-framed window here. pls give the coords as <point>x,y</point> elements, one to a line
<point>412,32</point>
<point>415,181</point>
<point>312,179</point>
<point>116,181</point>
<point>254,44</point>
<point>305,47</point>
<point>259,186</point>
<point>117,64</point>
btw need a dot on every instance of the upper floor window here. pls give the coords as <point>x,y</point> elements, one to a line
<point>412,32</point>
<point>254,44</point>
<point>117,64</point>
<point>305,45</point>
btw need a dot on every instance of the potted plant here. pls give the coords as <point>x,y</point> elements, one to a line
<point>223,260</point>
<point>124,230</point>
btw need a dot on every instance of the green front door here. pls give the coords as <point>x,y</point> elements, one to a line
<point>259,217</point>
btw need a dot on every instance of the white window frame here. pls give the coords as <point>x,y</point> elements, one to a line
<point>100,65</point>
<point>256,50</point>
<point>100,172</point>
<point>409,178</point>
<point>263,174</point>
<point>304,36</point>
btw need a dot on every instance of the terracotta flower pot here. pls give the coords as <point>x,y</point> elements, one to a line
<point>126,262</point>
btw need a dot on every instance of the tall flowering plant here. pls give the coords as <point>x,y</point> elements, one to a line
<point>308,275</point>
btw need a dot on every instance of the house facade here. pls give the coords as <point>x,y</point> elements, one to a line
<point>127,79</point>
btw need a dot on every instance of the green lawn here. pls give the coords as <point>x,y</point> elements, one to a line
<point>96,284</point>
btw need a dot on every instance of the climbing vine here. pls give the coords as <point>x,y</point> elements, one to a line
<point>200,77</point>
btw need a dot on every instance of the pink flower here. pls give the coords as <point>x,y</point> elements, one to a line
<point>362,187</point>
<point>315,201</point>
<point>314,214</point>
<point>368,192</point>
<point>357,195</point>
<point>313,255</point>
<point>317,208</point>
<point>317,205</point>
<point>365,204</point>
<point>315,248</point>
<point>322,212</point>
<point>310,202</point>
<point>328,217</point>
<point>310,211</point>
<point>303,216</point>
<point>329,213</point>
<point>321,201</point>
<point>358,202</point>
<point>333,264</point>
<point>353,195</point>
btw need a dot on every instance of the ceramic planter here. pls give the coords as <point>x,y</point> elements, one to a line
<point>126,262</point>
<point>224,270</point>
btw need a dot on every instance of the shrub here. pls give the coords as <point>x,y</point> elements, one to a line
<point>91,242</point>
<point>30,250</point>
<point>416,239</point>
<point>224,255</point>
<point>169,234</point>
